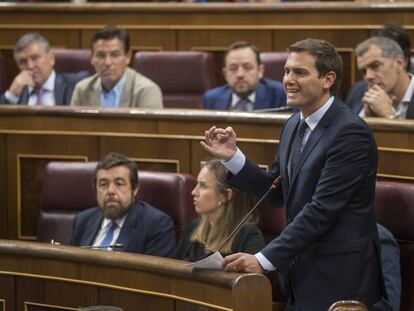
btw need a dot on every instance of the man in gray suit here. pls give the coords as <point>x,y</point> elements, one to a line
<point>37,83</point>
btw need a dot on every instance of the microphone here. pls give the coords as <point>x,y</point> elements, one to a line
<point>274,186</point>
<point>113,246</point>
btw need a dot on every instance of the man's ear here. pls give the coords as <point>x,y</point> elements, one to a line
<point>261,71</point>
<point>329,80</point>
<point>136,191</point>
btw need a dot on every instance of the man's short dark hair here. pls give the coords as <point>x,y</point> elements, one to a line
<point>115,159</point>
<point>110,32</point>
<point>241,45</point>
<point>326,56</point>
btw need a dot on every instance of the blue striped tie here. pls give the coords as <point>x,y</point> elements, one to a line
<point>109,235</point>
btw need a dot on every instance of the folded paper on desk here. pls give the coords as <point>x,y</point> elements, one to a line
<point>214,261</point>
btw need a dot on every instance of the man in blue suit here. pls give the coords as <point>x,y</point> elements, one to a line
<point>121,223</point>
<point>246,89</point>
<point>327,160</point>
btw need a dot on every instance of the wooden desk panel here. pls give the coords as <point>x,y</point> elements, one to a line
<point>78,277</point>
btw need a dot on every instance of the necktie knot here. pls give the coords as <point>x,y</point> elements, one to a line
<point>242,105</point>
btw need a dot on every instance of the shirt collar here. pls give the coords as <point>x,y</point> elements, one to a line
<point>118,88</point>
<point>313,120</point>
<point>236,98</point>
<point>119,222</point>
<point>49,85</point>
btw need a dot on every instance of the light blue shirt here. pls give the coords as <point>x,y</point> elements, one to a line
<point>113,97</point>
<point>236,163</point>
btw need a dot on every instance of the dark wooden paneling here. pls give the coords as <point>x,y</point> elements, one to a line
<point>29,154</point>
<point>3,188</point>
<point>53,294</point>
<point>7,292</point>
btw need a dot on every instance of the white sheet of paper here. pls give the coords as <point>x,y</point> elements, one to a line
<point>214,261</point>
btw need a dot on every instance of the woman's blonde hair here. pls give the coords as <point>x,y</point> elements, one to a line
<point>234,209</point>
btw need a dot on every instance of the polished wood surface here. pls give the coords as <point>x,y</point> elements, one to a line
<point>37,276</point>
<point>206,27</point>
<point>165,140</point>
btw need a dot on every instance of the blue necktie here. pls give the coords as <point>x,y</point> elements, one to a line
<point>109,235</point>
<point>297,146</point>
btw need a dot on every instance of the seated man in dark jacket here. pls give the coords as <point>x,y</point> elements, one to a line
<point>121,222</point>
<point>37,83</point>
<point>246,89</point>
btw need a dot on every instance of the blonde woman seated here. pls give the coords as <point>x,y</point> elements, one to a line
<point>220,208</point>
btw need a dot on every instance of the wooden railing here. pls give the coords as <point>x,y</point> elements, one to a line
<point>36,276</point>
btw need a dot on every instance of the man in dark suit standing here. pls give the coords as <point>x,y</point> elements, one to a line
<point>327,159</point>
<point>37,83</point>
<point>120,222</point>
<point>246,89</point>
<point>389,88</point>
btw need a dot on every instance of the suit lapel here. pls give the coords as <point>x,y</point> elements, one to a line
<point>129,227</point>
<point>24,97</point>
<point>285,144</point>
<point>313,140</point>
<point>92,229</point>
<point>410,109</point>
<point>59,90</point>
<point>261,101</point>
<point>128,86</point>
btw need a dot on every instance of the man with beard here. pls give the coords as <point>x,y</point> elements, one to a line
<point>389,87</point>
<point>246,89</point>
<point>120,220</point>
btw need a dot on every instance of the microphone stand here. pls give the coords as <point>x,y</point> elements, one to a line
<point>275,186</point>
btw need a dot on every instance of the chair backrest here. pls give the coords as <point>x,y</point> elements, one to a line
<point>73,60</point>
<point>348,305</point>
<point>183,76</point>
<point>67,189</point>
<point>3,74</point>
<point>272,221</point>
<point>274,63</point>
<point>394,208</point>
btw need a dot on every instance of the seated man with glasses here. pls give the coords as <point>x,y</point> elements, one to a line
<point>120,222</point>
<point>115,84</point>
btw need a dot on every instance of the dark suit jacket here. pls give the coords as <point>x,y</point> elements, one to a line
<point>64,86</point>
<point>330,245</point>
<point>269,94</point>
<point>146,230</point>
<point>355,95</point>
<point>390,259</point>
